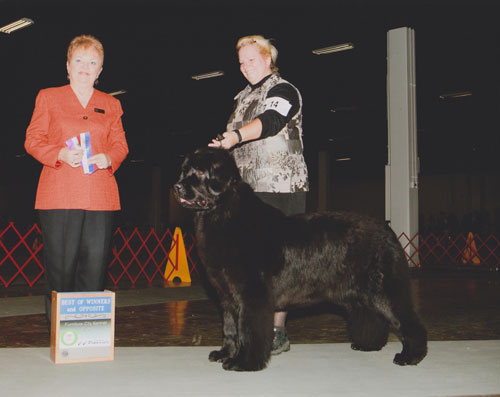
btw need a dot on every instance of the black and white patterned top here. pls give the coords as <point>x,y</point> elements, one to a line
<point>275,162</point>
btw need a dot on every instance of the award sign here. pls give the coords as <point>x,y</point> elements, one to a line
<point>82,327</point>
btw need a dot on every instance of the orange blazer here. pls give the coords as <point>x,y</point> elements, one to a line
<point>59,116</point>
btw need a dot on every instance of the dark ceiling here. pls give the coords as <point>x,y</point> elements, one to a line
<point>153,47</point>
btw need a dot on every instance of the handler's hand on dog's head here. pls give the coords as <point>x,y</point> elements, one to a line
<point>225,140</point>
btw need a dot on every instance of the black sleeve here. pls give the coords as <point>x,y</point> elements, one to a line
<point>286,106</point>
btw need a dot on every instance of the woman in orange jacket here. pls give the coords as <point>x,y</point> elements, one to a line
<point>77,134</point>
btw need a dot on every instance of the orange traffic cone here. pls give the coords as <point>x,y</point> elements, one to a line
<point>470,254</point>
<point>177,266</point>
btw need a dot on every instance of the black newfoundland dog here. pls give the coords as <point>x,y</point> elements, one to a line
<point>260,261</point>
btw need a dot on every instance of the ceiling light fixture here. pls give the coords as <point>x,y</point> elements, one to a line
<point>20,24</point>
<point>334,48</point>
<point>456,95</point>
<point>344,159</point>
<point>208,75</point>
<point>119,92</point>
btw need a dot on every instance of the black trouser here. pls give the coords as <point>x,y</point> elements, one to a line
<point>76,248</point>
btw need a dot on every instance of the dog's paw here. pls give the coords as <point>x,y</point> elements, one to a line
<point>403,359</point>
<point>365,348</point>
<point>356,347</point>
<point>233,364</point>
<point>217,355</point>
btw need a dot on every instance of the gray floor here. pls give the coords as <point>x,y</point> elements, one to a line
<point>450,369</point>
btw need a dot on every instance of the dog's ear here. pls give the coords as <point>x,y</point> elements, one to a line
<point>185,162</point>
<point>225,168</point>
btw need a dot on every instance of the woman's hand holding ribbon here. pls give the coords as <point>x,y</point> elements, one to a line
<point>101,160</point>
<point>72,157</point>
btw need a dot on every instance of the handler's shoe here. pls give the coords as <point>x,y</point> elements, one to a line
<point>280,341</point>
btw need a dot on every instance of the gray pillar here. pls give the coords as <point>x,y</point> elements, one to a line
<point>323,181</point>
<point>402,168</point>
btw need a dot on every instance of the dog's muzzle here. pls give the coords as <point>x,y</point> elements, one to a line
<point>180,194</point>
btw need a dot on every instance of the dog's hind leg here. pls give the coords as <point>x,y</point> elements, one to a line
<point>367,328</point>
<point>405,321</point>
<point>413,338</point>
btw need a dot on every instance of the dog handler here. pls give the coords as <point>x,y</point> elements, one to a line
<point>76,133</point>
<point>265,135</point>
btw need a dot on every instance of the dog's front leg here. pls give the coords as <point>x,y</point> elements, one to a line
<point>255,332</point>
<point>230,330</point>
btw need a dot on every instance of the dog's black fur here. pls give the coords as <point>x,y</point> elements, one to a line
<point>260,261</point>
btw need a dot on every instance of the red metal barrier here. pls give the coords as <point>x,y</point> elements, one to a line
<point>143,254</point>
<point>136,254</point>
<point>452,250</point>
<point>148,253</point>
<point>20,255</point>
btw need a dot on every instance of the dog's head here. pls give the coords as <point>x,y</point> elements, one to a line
<point>206,175</point>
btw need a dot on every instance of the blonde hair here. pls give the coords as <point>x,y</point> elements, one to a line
<point>265,48</point>
<point>85,41</point>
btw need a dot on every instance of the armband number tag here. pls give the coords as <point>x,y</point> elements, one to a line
<point>280,105</point>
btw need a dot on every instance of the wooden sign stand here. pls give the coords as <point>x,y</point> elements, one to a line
<point>82,327</point>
